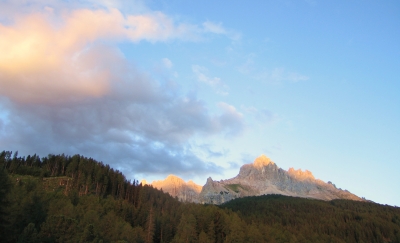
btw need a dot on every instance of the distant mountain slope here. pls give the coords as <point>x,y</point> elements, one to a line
<point>176,187</point>
<point>264,177</point>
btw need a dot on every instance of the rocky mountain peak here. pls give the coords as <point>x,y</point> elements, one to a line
<point>258,178</point>
<point>262,161</point>
<point>177,187</point>
<point>264,177</point>
<point>174,179</point>
<point>262,167</point>
<point>301,175</point>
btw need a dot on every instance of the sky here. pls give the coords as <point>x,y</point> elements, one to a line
<point>199,88</point>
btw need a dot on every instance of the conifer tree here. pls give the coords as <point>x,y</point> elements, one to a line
<point>150,227</point>
<point>203,238</point>
<point>5,186</point>
<point>211,231</point>
<point>29,235</point>
<point>186,231</point>
<point>236,230</point>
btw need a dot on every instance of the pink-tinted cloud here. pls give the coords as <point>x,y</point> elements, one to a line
<point>66,88</point>
<point>50,59</point>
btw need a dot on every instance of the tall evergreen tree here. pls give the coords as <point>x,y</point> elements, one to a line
<point>150,226</point>
<point>5,187</point>
<point>186,232</point>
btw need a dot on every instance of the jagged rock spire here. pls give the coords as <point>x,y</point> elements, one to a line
<point>262,161</point>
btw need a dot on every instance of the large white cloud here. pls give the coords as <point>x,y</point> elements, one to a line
<point>66,88</point>
<point>37,52</point>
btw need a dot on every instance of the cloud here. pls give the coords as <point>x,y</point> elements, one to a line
<point>167,63</point>
<point>259,118</point>
<point>248,66</point>
<point>202,77</point>
<point>11,8</point>
<point>296,77</point>
<point>35,53</point>
<point>215,82</point>
<point>66,88</point>
<point>214,28</point>
<point>217,28</point>
<point>279,75</point>
<point>247,158</point>
<point>231,120</point>
<point>210,153</point>
<point>136,125</point>
<point>273,76</point>
<point>234,165</point>
<point>263,116</point>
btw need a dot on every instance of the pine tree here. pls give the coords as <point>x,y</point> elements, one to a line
<point>211,231</point>
<point>236,228</point>
<point>150,227</point>
<point>29,235</point>
<point>203,238</point>
<point>5,187</point>
<point>186,231</point>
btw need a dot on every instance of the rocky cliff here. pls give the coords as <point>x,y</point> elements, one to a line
<point>176,187</point>
<point>265,177</point>
<point>258,178</point>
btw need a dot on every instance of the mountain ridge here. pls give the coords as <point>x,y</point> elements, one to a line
<point>177,187</point>
<point>262,177</point>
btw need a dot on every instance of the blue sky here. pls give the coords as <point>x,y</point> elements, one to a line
<point>198,88</point>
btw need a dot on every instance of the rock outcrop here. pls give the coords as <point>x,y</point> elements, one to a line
<point>265,177</point>
<point>261,177</point>
<point>176,187</point>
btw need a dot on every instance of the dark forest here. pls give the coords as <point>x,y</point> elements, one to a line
<point>61,198</point>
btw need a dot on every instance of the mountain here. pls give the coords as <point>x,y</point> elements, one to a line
<point>176,187</point>
<point>264,177</point>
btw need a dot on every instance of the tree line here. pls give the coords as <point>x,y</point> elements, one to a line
<point>61,198</point>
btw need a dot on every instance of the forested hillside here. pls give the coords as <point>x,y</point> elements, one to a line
<point>320,221</point>
<point>62,198</point>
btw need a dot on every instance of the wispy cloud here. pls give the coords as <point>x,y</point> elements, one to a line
<point>214,28</point>
<point>210,153</point>
<point>249,65</point>
<point>167,63</point>
<point>279,75</point>
<point>275,75</point>
<point>233,117</point>
<point>217,28</point>
<point>201,74</point>
<point>262,116</point>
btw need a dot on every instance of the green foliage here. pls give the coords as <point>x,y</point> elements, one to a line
<point>60,198</point>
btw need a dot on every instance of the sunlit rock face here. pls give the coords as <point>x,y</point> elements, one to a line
<point>258,178</point>
<point>176,187</point>
<point>265,177</point>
